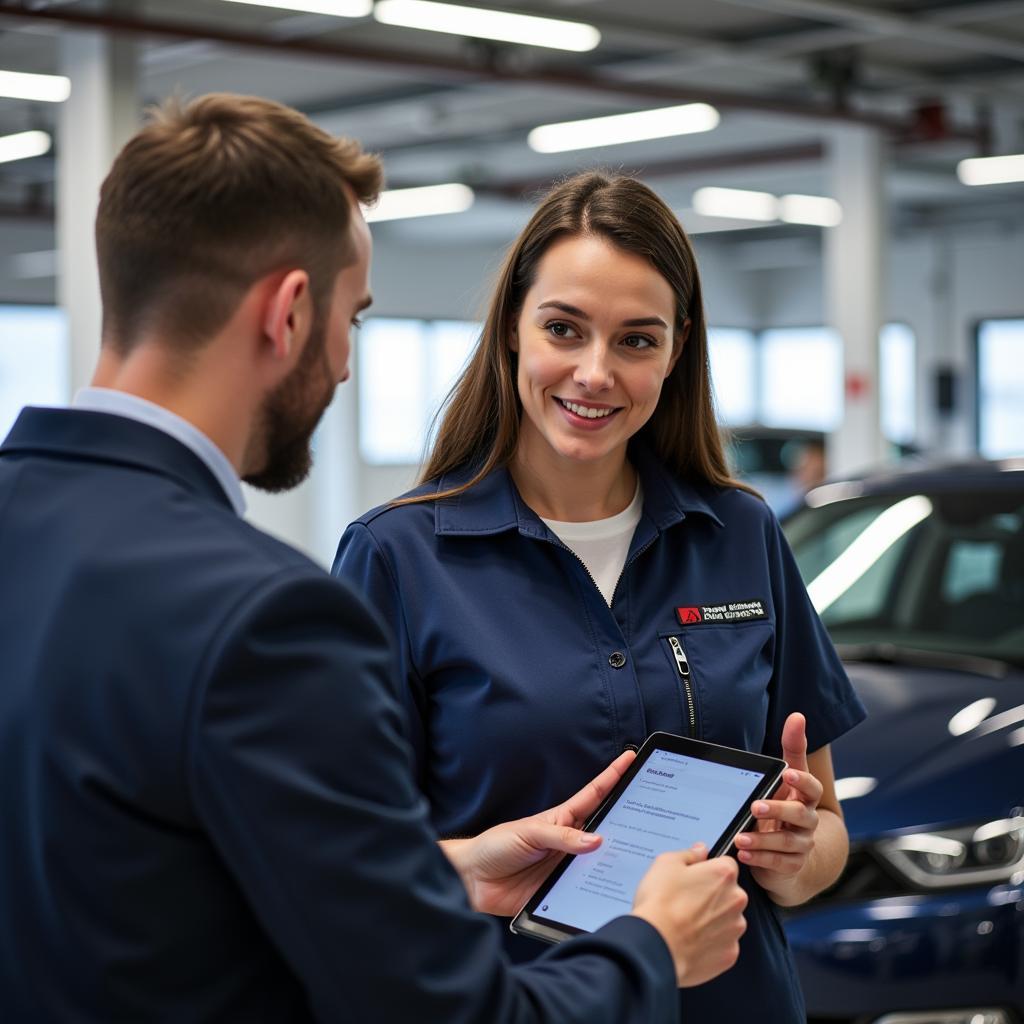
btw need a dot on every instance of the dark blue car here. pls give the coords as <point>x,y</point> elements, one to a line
<point>919,576</point>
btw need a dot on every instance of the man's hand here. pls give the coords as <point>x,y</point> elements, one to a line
<point>697,907</point>
<point>502,867</point>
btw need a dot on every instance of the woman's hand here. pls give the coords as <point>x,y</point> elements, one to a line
<point>502,867</point>
<point>781,851</point>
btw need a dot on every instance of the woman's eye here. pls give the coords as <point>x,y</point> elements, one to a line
<point>560,329</point>
<point>638,341</point>
<point>356,322</point>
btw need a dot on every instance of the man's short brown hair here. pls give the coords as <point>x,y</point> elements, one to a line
<point>211,196</point>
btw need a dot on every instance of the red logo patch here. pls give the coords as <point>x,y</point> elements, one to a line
<point>687,615</point>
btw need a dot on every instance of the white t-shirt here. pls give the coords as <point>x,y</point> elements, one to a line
<point>602,545</point>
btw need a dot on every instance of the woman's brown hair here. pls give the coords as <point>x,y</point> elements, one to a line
<point>480,425</point>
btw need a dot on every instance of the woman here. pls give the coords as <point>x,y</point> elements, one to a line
<point>578,569</point>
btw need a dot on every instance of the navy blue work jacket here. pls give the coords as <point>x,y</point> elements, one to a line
<point>522,683</point>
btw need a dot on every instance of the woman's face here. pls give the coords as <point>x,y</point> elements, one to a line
<point>595,343</point>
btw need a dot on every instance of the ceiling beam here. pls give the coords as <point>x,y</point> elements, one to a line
<point>877,23</point>
<point>458,69</point>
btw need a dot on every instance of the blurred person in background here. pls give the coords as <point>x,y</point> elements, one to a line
<point>578,570</point>
<point>208,790</point>
<point>809,466</point>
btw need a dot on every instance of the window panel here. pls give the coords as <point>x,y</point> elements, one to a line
<point>801,378</point>
<point>33,360</point>
<point>405,371</point>
<point>733,355</point>
<point>391,400</point>
<point>897,383</point>
<point>450,343</point>
<point>1000,388</point>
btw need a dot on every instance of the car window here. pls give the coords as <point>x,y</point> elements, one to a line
<point>866,596</point>
<point>973,567</point>
<point>932,571</point>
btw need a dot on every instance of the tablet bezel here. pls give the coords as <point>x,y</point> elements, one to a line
<point>524,923</point>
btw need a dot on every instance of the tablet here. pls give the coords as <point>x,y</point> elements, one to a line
<point>677,792</point>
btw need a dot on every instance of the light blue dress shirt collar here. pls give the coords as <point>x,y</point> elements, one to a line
<point>120,403</point>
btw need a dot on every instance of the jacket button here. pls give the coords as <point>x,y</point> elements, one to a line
<point>616,659</point>
<point>630,746</point>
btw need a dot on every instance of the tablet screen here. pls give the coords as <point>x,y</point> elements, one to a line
<point>672,802</point>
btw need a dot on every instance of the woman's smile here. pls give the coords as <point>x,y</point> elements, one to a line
<point>587,416</point>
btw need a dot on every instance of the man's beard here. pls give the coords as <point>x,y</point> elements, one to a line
<point>291,413</point>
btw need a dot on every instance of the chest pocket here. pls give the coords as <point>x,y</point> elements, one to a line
<point>723,674</point>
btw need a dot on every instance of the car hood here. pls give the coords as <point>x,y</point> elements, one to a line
<point>926,776</point>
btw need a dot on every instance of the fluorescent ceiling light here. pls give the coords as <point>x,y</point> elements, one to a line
<point>818,210</point>
<point>428,201</point>
<point>483,24</point>
<point>42,88</point>
<point>736,203</point>
<point>339,8</point>
<point>618,128</point>
<point>740,204</point>
<point>991,170</point>
<point>23,145</point>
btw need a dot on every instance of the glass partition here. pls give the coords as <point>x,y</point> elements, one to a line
<point>33,360</point>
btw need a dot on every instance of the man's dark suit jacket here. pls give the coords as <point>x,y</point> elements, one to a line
<point>207,805</point>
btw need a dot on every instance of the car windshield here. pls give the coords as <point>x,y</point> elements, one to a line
<point>926,572</point>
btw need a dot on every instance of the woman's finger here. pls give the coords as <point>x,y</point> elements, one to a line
<point>780,863</point>
<point>794,741</point>
<point>789,812</point>
<point>803,786</point>
<point>561,838</point>
<point>786,841</point>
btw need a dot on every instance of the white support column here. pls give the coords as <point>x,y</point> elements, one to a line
<point>96,120</point>
<point>854,265</point>
<point>337,471</point>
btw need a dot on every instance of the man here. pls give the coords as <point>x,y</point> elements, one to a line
<point>209,812</point>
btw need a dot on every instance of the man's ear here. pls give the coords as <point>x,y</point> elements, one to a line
<point>678,342</point>
<point>288,314</point>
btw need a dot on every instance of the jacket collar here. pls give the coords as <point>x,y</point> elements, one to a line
<point>494,505</point>
<point>102,437</point>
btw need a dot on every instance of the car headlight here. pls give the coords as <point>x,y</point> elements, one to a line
<point>962,856</point>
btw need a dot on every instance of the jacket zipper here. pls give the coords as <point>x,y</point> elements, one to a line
<point>683,666</point>
<point>629,561</point>
<point>590,575</point>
